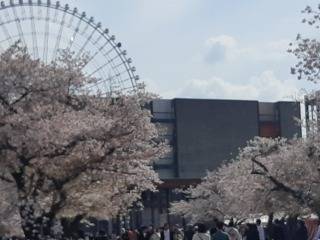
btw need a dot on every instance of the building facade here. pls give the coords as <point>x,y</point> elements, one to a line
<point>312,112</point>
<point>202,134</point>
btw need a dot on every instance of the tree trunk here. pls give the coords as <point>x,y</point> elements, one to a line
<point>37,227</point>
<point>71,227</point>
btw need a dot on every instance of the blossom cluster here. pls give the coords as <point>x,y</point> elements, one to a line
<point>66,151</point>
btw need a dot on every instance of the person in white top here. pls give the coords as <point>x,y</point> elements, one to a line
<point>260,230</point>
<point>233,232</point>
<point>155,234</point>
<point>166,234</point>
<point>202,233</point>
<point>317,236</point>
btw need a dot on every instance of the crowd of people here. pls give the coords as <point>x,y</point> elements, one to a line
<point>276,230</point>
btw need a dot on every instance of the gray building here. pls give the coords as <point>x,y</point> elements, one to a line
<point>202,134</point>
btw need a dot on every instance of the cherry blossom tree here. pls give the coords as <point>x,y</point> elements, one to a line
<point>307,50</point>
<point>65,151</point>
<point>269,175</point>
<point>9,216</point>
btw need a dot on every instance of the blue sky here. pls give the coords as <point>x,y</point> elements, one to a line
<point>231,49</point>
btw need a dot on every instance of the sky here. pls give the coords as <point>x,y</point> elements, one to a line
<point>216,49</point>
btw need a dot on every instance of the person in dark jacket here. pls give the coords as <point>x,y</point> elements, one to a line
<point>278,231</point>
<point>220,234</point>
<point>252,232</point>
<point>148,232</point>
<point>188,233</point>
<point>301,232</point>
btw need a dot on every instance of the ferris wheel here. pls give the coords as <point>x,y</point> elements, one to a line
<point>45,28</point>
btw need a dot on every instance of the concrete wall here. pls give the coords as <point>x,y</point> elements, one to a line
<point>288,111</point>
<point>211,131</point>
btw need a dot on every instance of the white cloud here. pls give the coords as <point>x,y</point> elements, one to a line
<point>218,48</point>
<point>225,48</point>
<point>163,90</point>
<point>224,40</point>
<point>235,62</point>
<point>265,87</point>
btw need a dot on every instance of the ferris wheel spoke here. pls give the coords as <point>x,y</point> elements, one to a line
<point>86,27</point>
<point>115,76</point>
<point>97,52</point>
<point>46,28</point>
<point>55,16</point>
<point>111,80</point>
<point>46,36</point>
<point>108,63</point>
<point>34,34</point>
<point>86,43</point>
<point>98,39</point>
<point>57,45</point>
<point>6,32</point>
<point>71,18</point>
<point>39,13</point>
<point>74,35</point>
<point>23,13</point>
<point>107,53</point>
<point>18,24</point>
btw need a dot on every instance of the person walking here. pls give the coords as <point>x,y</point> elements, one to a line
<point>155,234</point>
<point>251,232</point>
<point>278,231</point>
<point>166,234</point>
<point>202,233</point>
<point>301,232</point>
<point>260,230</point>
<point>132,234</point>
<point>317,236</point>
<point>178,233</point>
<point>188,233</point>
<point>149,232</point>
<point>220,234</point>
<point>233,232</point>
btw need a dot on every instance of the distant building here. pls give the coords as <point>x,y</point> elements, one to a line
<point>312,111</point>
<point>202,134</point>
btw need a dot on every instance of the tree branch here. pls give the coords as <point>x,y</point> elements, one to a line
<point>7,105</point>
<point>65,149</point>
<point>279,186</point>
<point>6,179</point>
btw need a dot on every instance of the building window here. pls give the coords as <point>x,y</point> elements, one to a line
<point>269,129</point>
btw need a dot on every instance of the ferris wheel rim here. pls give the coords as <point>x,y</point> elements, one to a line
<point>83,18</point>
